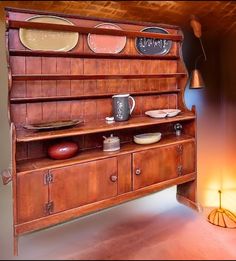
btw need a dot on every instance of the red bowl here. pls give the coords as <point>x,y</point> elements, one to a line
<point>63,150</point>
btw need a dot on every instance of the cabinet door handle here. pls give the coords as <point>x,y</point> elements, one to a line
<point>113,178</point>
<point>138,171</point>
<point>180,170</point>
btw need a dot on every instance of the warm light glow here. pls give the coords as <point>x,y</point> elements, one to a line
<point>216,150</point>
<point>226,185</point>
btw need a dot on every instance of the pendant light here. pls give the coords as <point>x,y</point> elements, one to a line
<point>196,80</point>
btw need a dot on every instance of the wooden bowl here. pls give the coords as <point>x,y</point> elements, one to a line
<point>63,150</point>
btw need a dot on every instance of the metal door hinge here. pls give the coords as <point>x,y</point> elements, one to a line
<point>48,178</point>
<point>180,149</point>
<point>49,208</point>
<point>180,170</point>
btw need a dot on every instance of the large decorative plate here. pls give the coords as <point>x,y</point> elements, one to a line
<point>48,40</point>
<point>153,46</point>
<point>106,43</point>
<point>52,125</point>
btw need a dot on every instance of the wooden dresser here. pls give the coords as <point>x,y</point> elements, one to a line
<point>79,84</point>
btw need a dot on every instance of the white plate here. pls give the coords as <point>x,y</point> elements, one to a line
<point>163,113</point>
<point>172,112</point>
<point>147,138</point>
<point>48,40</point>
<point>156,113</point>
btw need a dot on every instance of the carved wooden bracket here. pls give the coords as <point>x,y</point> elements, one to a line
<point>6,176</point>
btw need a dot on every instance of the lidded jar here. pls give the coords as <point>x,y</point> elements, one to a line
<point>111,143</point>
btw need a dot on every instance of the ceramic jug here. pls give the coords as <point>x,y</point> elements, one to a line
<point>121,106</point>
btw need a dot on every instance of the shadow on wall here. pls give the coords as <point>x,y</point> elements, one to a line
<point>216,111</point>
<point>228,83</point>
<point>209,116</point>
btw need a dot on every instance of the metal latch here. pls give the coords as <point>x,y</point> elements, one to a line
<point>48,178</point>
<point>49,208</point>
<point>180,170</point>
<point>180,149</point>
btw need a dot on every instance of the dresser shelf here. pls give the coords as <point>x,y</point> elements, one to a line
<point>97,154</point>
<point>97,127</point>
<point>36,77</point>
<point>73,54</point>
<point>16,100</point>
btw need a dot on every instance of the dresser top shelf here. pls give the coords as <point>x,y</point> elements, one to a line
<point>24,135</point>
<point>15,24</point>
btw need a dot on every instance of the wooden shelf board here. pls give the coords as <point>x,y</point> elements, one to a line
<point>97,154</point>
<point>24,135</point>
<point>90,55</point>
<point>25,77</point>
<point>15,24</point>
<point>80,97</point>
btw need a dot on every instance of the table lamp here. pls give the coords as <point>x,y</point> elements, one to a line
<point>222,217</point>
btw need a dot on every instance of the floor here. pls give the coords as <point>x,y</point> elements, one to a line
<point>154,227</point>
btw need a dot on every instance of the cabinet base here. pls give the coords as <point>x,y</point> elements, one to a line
<point>187,202</point>
<point>96,206</point>
<point>15,245</point>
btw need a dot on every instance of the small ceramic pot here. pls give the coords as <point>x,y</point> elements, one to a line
<point>63,150</point>
<point>111,143</point>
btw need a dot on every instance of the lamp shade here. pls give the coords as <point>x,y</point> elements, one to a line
<point>196,81</point>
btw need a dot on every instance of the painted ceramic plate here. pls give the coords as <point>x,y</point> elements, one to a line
<point>163,113</point>
<point>106,43</point>
<point>44,40</point>
<point>152,46</point>
<point>147,138</point>
<point>53,125</point>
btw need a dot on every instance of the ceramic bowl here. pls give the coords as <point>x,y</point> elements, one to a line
<point>147,138</point>
<point>63,150</point>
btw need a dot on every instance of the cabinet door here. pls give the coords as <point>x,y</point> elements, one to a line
<point>83,183</point>
<point>155,165</point>
<point>189,158</point>
<point>31,196</point>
